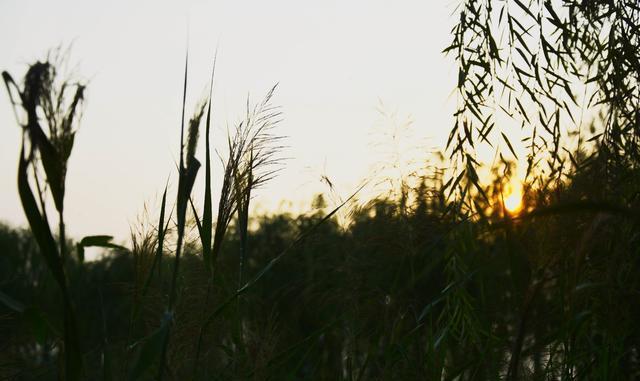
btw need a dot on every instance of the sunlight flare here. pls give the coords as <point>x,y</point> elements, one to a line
<point>513,199</point>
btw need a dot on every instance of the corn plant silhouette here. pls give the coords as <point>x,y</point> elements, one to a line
<point>43,90</point>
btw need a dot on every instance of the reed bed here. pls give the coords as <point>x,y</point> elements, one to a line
<point>443,282</point>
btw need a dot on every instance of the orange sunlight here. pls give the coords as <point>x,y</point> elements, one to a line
<point>513,199</point>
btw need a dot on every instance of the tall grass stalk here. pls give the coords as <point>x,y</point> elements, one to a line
<point>252,161</point>
<point>187,172</point>
<point>43,90</point>
<point>259,161</point>
<point>207,214</point>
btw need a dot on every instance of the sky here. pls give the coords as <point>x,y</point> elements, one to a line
<point>350,74</point>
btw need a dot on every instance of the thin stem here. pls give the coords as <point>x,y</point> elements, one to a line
<point>61,232</point>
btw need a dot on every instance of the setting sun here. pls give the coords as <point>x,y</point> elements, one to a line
<point>513,199</point>
<point>293,189</point>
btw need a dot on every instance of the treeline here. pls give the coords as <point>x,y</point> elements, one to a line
<point>404,291</point>
<point>442,283</point>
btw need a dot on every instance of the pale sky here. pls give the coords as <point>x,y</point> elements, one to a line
<point>335,61</point>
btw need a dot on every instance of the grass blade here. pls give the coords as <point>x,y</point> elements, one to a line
<point>207,214</point>
<point>42,233</point>
<point>157,259</point>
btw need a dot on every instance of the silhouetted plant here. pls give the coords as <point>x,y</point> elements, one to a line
<point>436,281</point>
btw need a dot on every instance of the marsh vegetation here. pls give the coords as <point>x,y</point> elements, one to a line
<point>455,276</point>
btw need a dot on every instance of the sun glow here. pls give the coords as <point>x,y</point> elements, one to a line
<point>513,198</point>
